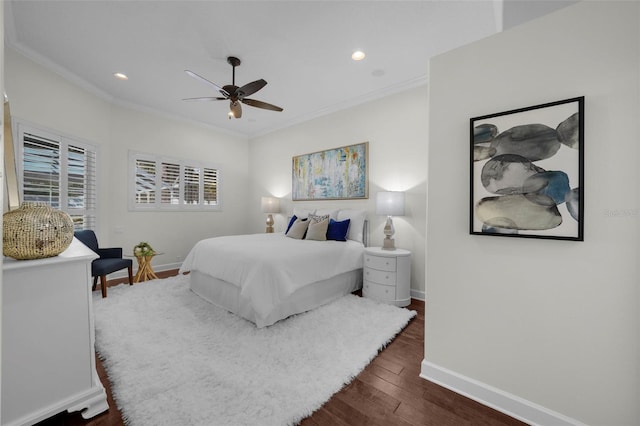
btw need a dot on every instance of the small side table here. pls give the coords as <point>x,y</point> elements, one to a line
<point>387,275</point>
<point>145,271</point>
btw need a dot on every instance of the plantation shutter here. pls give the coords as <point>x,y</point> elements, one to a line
<point>210,182</point>
<point>81,187</point>
<point>191,185</point>
<point>41,170</point>
<point>145,185</point>
<point>170,184</point>
<point>60,172</point>
<point>170,191</point>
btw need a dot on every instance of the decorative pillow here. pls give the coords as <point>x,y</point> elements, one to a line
<point>293,219</point>
<point>333,213</point>
<point>318,218</point>
<point>357,223</point>
<point>317,227</point>
<point>338,230</point>
<point>298,229</point>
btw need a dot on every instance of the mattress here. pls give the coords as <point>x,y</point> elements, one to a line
<point>267,277</point>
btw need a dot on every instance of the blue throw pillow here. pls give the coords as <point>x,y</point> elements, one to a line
<point>293,219</point>
<point>338,230</point>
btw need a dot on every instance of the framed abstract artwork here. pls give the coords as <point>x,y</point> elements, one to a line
<point>333,174</point>
<point>527,172</point>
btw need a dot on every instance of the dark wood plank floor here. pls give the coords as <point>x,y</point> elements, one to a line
<point>387,392</point>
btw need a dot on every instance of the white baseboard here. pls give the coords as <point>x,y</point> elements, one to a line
<point>415,294</point>
<point>497,399</point>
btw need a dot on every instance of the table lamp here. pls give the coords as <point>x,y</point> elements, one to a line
<point>270,205</point>
<point>389,204</point>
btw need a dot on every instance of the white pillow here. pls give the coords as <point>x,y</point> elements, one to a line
<point>333,213</point>
<point>302,213</point>
<point>357,223</point>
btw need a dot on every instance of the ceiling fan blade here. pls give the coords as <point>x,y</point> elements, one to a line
<point>260,104</point>
<point>199,77</point>
<point>236,109</point>
<point>205,98</point>
<point>250,88</point>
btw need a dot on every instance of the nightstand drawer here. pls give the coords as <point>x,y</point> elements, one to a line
<point>379,262</point>
<point>383,293</point>
<point>380,277</point>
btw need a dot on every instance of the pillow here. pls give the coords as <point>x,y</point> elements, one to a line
<point>317,227</point>
<point>318,217</point>
<point>357,223</point>
<point>298,229</point>
<point>338,230</point>
<point>293,219</point>
<point>333,213</point>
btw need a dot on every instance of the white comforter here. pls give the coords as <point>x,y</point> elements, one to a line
<point>270,267</point>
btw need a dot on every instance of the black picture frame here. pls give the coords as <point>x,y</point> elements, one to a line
<point>527,172</point>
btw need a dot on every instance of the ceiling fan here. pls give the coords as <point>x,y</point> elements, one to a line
<point>233,93</point>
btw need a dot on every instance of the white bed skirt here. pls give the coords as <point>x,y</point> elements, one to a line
<point>227,296</point>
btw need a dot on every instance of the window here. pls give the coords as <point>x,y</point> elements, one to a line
<point>163,183</point>
<point>59,171</point>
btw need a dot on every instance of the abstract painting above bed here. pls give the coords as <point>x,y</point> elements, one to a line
<point>333,174</point>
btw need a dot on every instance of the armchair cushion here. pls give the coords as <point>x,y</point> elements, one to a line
<point>106,266</point>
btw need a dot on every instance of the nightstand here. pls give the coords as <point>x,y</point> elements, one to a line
<point>387,275</point>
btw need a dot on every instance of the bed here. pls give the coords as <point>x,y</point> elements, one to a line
<point>265,278</point>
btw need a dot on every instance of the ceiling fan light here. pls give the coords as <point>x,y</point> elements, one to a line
<point>358,55</point>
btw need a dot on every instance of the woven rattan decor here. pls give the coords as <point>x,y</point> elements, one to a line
<point>36,231</point>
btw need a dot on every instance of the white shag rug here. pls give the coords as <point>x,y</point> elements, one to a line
<point>175,359</point>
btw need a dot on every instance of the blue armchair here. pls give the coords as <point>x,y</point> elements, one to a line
<point>110,260</point>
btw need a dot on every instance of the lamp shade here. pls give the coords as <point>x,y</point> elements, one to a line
<point>390,203</point>
<point>270,205</point>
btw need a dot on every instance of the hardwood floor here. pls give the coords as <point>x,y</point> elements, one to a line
<point>387,392</point>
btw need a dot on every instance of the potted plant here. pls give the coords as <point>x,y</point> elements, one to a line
<point>143,249</point>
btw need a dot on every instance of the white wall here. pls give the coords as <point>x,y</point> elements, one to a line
<point>44,98</point>
<point>555,323</point>
<point>396,130</point>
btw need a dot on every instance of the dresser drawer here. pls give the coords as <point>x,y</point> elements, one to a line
<point>383,293</point>
<point>380,277</point>
<point>379,262</point>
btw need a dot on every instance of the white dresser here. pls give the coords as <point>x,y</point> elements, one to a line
<point>387,275</point>
<point>48,358</point>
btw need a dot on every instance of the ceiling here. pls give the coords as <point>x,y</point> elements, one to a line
<point>301,48</point>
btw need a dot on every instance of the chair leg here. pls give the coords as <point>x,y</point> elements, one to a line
<point>103,285</point>
<point>130,268</point>
<point>95,283</point>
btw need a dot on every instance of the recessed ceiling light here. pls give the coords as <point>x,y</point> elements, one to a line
<point>358,55</point>
<point>120,76</point>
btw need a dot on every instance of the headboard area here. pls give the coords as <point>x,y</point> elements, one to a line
<point>358,226</point>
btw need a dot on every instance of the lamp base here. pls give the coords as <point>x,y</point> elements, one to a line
<point>270,223</point>
<point>388,244</point>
